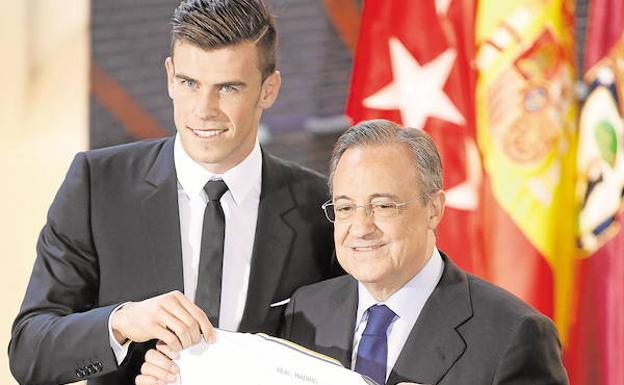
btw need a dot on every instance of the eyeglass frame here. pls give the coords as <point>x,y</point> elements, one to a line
<point>369,207</point>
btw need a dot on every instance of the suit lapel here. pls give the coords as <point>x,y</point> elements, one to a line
<point>272,242</point>
<point>335,333</point>
<point>161,212</point>
<point>434,344</point>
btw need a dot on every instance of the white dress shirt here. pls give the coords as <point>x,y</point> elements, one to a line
<point>406,303</point>
<point>240,208</point>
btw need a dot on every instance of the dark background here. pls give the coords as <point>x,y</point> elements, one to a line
<point>130,40</point>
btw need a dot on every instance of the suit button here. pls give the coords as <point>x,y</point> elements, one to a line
<point>79,373</point>
<point>98,366</point>
<point>91,369</point>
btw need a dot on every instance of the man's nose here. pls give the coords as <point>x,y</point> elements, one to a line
<point>363,222</point>
<point>207,105</point>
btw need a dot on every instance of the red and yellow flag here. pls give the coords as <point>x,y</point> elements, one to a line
<point>535,192</point>
<point>526,132</point>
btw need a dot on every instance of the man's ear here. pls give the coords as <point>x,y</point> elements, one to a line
<point>170,75</point>
<point>270,90</point>
<point>436,208</point>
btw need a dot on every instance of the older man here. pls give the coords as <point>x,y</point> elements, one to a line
<point>406,312</point>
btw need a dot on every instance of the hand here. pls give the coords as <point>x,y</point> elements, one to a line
<point>158,368</point>
<point>170,317</point>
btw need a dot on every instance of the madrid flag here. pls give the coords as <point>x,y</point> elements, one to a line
<point>412,66</point>
<point>526,131</point>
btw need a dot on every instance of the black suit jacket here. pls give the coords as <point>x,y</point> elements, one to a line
<point>113,235</point>
<point>469,332</point>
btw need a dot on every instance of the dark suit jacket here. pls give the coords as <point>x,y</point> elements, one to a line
<point>113,235</point>
<point>469,332</point>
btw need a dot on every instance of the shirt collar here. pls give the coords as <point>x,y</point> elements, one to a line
<point>240,179</point>
<point>409,300</point>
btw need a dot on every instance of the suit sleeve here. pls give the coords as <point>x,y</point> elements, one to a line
<point>60,334</point>
<point>532,356</point>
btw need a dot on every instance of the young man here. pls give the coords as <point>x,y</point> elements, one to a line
<point>406,313</point>
<point>160,239</point>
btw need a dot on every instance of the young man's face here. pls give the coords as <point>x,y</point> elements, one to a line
<point>218,98</point>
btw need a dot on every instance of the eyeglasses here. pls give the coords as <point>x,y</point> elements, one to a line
<point>380,210</point>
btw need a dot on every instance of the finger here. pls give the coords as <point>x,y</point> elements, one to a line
<point>168,337</point>
<point>159,359</point>
<point>177,305</point>
<point>198,314</point>
<point>173,323</point>
<point>209,332</point>
<point>166,350</point>
<point>151,370</point>
<point>142,379</point>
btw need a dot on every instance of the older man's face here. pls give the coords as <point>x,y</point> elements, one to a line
<point>383,253</point>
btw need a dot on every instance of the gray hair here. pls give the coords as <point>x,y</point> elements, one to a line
<point>428,165</point>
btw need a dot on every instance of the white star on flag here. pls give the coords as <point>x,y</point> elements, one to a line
<point>417,91</point>
<point>442,6</point>
<point>465,195</point>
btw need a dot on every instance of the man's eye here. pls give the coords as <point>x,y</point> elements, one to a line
<point>228,89</point>
<point>189,83</point>
<point>384,206</point>
<point>344,208</point>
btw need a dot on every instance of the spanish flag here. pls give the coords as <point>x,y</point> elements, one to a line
<point>526,133</point>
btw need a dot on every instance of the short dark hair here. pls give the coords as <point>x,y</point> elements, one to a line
<point>427,162</point>
<point>213,24</point>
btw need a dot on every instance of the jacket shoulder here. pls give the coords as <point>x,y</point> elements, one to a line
<point>306,184</point>
<point>295,170</point>
<point>139,150</point>
<point>488,297</point>
<point>132,159</point>
<point>513,336</point>
<point>319,292</point>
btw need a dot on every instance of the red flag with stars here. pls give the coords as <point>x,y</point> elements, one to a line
<point>412,66</point>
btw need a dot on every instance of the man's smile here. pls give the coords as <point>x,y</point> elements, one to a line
<point>208,133</point>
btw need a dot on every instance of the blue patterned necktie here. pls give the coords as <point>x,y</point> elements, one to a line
<point>372,353</point>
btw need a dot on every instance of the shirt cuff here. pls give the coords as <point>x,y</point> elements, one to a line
<point>120,351</point>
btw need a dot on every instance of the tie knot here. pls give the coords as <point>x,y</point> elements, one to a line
<point>379,318</point>
<point>215,189</point>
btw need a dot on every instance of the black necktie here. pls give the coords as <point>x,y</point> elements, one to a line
<point>208,294</point>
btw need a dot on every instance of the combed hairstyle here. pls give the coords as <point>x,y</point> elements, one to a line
<point>213,24</point>
<point>427,163</point>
